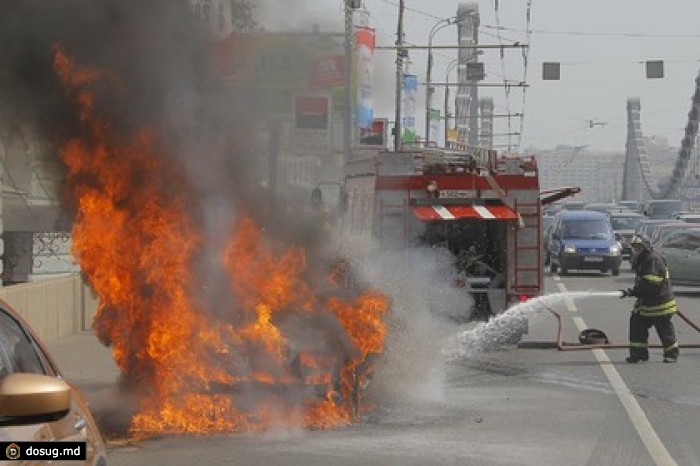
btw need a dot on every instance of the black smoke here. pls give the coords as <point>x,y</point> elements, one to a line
<point>151,46</point>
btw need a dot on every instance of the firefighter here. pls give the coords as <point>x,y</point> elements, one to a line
<point>655,304</point>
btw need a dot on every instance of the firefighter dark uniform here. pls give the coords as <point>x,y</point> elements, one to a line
<point>655,304</point>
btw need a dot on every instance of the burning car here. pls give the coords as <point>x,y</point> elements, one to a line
<point>216,328</point>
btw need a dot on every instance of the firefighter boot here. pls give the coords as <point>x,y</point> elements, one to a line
<point>671,355</point>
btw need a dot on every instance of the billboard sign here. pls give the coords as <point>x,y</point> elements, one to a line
<point>365,76</point>
<point>410,93</point>
<point>311,131</point>
<point>286,61</point>
<point>375,135</point>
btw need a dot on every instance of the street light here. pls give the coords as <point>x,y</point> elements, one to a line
<point>429,68</point>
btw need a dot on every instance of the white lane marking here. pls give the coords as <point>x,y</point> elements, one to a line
<point>567,299</point>
<point>443,212</point>
<point>639,420</point>
<point>484,212</point>
<point>556,278</point>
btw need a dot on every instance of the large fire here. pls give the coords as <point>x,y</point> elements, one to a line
<point>284,351</point>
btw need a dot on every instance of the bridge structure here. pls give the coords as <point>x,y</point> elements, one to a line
<point>638,182</point>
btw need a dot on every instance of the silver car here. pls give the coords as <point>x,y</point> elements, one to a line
<point>662,230</point>
<point>689,218</point>
<point>624,225</point>
<point>681,249</point>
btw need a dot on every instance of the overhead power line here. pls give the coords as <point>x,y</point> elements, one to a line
<point>413,10</point>
<point>594,33</point>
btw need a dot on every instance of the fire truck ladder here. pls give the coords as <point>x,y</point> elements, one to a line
<point>530,212</point>
<point>393,219</point>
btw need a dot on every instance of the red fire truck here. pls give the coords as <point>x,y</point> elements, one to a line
<point>484,208</point>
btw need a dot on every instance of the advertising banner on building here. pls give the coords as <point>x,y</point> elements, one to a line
<point>311,131</point>
<point>283,61</point>
<point>410,94</point>
<point>375,135</point>
<point>327,72</point>
<point>365,76</point>
<point>452,137</point>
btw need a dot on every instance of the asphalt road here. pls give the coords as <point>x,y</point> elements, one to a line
<point>508,406</point>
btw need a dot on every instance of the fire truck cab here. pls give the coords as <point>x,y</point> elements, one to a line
<point>484,208</point>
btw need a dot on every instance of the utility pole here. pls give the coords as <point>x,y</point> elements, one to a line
<point>400,52</point>
<point>350,6</point>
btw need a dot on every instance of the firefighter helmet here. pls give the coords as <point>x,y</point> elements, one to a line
<point>592,336</point>
<point>640,242</point>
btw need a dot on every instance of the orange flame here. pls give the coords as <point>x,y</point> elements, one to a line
<point>240,367</point>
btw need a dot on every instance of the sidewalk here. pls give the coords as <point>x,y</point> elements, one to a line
<point>87,364</point>
<point>84,361</point>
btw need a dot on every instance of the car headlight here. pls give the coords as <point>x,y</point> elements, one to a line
<point>615,249</point>
<point>569,249</point>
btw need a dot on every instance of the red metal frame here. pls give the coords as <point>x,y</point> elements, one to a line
<point>574,346</point>
<point>538,251</point>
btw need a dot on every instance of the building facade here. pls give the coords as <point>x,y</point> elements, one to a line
<point>597,173</point>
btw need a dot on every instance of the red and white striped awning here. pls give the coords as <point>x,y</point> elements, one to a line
<point>431,213</point>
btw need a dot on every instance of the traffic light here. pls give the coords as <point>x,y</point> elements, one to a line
<point>550,71</point>
<point>655,69</point>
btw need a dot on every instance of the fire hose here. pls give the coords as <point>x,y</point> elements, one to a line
<point>598,343</point>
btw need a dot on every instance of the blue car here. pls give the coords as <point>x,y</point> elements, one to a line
<point>583,240</point>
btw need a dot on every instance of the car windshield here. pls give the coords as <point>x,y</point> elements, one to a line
<point>665,207</point>
<point>664,231</point>
<point>630,204</point>
<point>574,206</point>
<point>686,240</point>
<point>587,229</point>
<point>17,349</point>
<point>625,223</point>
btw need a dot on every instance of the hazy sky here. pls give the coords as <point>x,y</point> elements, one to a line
<point>602,46</point>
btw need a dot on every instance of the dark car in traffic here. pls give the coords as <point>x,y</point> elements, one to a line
<point>663,208</point>
<point>634,206</point>
<point>605,207</point>
<point>624,225</point>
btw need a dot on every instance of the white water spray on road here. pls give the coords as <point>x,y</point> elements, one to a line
<point>506,329</point>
